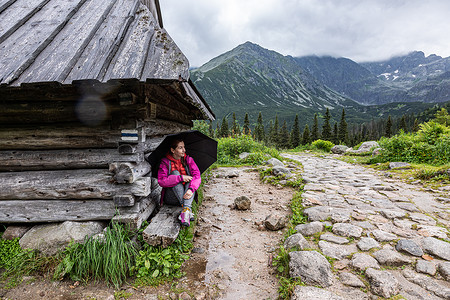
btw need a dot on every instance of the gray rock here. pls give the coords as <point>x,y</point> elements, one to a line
<point>393,214</point>
<point>49,239</point>
<point>312,267</point>
<point>340,216</point>
<point>383,236</point>
<point>427,283</point>
<point>382,283</point>
<point>362,261</point>
<point>242,203</point>
<point>317,213</point>
<point>349,230</point>
<point>336,251</point>
<point>274,222</point>
<point>435,231</point>
<point>410,247</point>
<point>228,174</point>
<point>339,149</point>
<point>436,247</point>
<point>367,243</point>
<point>275,162</point>
<point>334,238</point>
<point>422,219</point>
<point>391,258</point>
<point>444,270</point>
<point>399,165</point>
<point>296,240</point>
<point>313,293</point>
<point>426,267</point>
<point>277,171</point>
<point>310,228</point>
<point>244,155</point>
<point>377,151</point>
<point>368,146</point>
<point>351,280</point>
<point>13,232</point>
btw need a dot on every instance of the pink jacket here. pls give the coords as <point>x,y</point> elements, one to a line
<point>165,180</point>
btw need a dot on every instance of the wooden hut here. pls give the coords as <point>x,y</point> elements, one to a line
<point>88,88</point>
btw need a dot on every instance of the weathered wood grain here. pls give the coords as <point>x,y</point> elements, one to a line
<point>123,200</point>
<point>164,227</point>
<point>140,212</point>
<point>59,57</point>
<point>130,59</point>
<point>67,184</point>
<point>62,137</point>
<point>104,44</point>
<point>4,4</point>
<point>126,172</point>
<point>20,211</point>
<point>19,160</point>
<point>34,36</point>
<point>17,14</point>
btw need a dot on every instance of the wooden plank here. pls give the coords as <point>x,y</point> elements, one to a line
<point>105,43</point>
<point>165,59</point>
<point>17,14</point>
<point>58,58</point>
<point>55,210</point>
<point>4,4</point>
<point>130,58</point>
<point>67,184</point>
<point>25,44</point>
<point>123,200</point>
<point>164,227</point>
<point>126,172</point>
<point>62,159</point>
<point>140,212</point>
<point>62,137</point>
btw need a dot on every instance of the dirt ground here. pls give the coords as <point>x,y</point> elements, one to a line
<point>232,251</point>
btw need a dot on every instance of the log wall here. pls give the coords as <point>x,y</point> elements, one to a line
<point>53,172</point>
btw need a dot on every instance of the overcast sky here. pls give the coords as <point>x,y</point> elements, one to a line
<point>362,30</point>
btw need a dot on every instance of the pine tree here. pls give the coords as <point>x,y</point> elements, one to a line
<point>246,129</point>
<point>295,133</point>
<point>259,129</point>
<point>274,134</point>
<point>224,128</point>
<point>283,140</point>
<point>403,125</point>
<point>326,128</point>
<point>335,134</point>
<point>235,128</point>
<point>315,129</point>
<point>388,131</point>
<point>343,130</point>
<point>415,126</point>
<point>306,135</point>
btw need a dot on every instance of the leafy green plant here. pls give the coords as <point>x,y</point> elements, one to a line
<point>322,145</point>
<point>156,264</point>
<point>229,148</point>
<point>8,250</point>
<point>110,258</point>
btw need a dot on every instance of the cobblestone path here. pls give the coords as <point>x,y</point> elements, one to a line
<point>385,238</point>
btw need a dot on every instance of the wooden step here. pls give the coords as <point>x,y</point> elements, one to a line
<point>164,227</point>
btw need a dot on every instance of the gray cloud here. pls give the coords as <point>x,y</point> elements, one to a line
<point>362,30</point>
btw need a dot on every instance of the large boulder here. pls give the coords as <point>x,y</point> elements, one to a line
<point>339,149</point>
<point>365,147</point>
<point>312,267</point>
<point>51,238</point>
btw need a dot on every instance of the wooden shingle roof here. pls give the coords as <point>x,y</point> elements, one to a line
<point>69,40</point>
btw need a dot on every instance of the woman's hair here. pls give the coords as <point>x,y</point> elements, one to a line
<point>174,145</point>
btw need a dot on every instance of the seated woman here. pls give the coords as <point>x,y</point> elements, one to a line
<point>180,178</point>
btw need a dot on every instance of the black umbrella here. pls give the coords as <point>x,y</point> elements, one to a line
<point>200,147</point>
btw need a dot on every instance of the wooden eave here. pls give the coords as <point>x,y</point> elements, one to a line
<point>125,100</point>
<point>57,46</point>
